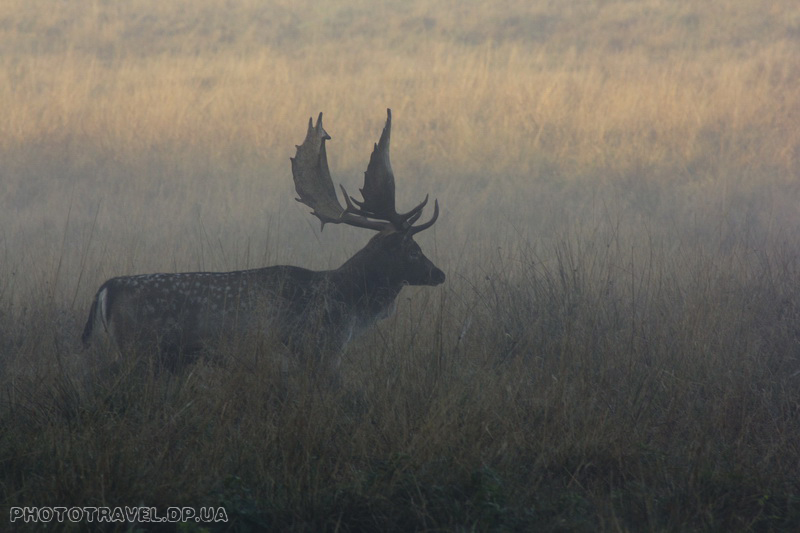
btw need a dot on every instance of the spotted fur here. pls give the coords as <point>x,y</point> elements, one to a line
<point>303,309</point>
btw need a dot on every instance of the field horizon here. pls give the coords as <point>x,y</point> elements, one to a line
<point>616,347</point>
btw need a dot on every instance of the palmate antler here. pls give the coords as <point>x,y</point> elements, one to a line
<point>312,180</point>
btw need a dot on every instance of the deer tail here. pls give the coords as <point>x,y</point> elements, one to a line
<point>97,313</point>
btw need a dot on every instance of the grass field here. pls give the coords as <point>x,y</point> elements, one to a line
<point>617,345</point>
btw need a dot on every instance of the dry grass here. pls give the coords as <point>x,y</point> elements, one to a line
<point>616,346</point>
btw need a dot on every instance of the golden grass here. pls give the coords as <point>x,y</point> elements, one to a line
<point>615,347</point>
<point>650,92</point>
<point>504,99</point>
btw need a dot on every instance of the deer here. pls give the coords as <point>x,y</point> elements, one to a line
<point>311,313</point>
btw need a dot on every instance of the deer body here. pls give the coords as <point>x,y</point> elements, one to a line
<point>300,307</point>
<point>307,311</point>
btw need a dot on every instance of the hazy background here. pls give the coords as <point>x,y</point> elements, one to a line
<point>141,136</point>
<point>616,346</point>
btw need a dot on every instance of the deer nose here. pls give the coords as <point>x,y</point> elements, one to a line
<point>437,276</point>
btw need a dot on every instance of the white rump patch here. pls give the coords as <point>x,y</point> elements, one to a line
<point>101,315</point>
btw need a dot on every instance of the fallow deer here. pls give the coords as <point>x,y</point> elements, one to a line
<point>307,311</point>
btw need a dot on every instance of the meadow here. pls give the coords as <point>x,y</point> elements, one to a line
<point>616,347</point>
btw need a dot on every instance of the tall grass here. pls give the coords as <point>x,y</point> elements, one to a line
<point>616,345</point>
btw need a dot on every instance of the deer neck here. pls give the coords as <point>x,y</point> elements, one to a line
<point>365,280</point>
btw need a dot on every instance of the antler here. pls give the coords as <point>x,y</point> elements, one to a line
<point>313,183</point>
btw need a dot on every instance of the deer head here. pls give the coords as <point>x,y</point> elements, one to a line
<point>393,255</point>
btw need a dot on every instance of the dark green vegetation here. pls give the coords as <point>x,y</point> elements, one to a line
<point>601,389</point>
